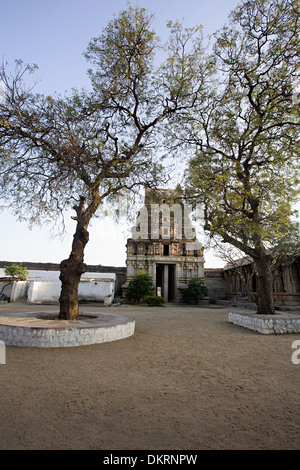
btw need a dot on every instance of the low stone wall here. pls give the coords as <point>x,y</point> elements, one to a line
<point>267,324</point>
<point>45,287</point>
<point>35,330</point>
<point>44,272</point>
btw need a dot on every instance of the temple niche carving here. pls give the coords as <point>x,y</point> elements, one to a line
<point>164,245</point>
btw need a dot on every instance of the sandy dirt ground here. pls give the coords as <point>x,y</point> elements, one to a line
<point>186,380</point>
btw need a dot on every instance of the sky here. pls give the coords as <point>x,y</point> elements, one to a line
<point>54,34</point>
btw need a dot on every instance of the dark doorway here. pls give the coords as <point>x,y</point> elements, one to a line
<point>160,278</point>
<point>165,280</point>
<point>171,283</point>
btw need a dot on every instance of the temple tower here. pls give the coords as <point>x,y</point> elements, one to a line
<point>164,244</point>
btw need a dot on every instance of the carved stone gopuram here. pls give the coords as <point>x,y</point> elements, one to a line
<point>164,245</point>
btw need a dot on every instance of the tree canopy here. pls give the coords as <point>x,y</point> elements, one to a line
<point>73,152</point>
<point>245,169</point>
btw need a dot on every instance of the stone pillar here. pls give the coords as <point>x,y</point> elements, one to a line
<point>176,281</point>
<point>200,270</point>
<point>166,282</point>
<point>152,272</point>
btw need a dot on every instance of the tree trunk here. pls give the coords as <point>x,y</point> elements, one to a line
<point>71,270</point>
<point>265,301</point>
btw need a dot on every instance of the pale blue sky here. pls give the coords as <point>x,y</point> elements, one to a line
<point>53,34</point>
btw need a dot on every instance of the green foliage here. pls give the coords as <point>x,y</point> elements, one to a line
<point>246,167</point>
<point>140,286</point>
<point>123,53</point>
<point>153,300</point>
<point>87,146</point>
<point>92,144</point>
<point>17,272</point>
<point>196,290</point>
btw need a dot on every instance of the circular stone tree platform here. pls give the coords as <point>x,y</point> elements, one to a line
<point>267,324</point>
<point>44,330</point>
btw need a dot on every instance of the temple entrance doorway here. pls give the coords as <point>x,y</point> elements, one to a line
<point>165,281</point>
